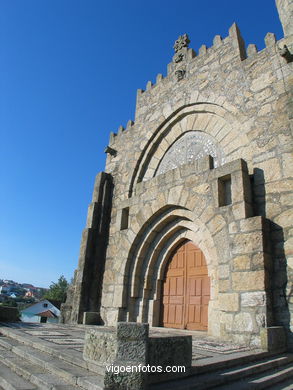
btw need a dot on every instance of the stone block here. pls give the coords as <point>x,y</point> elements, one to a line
<point>240,210</point>
<point>273,339</point>
<point>258,261</point>
<point>164,351</point>
<point>238,190</point>
<point>135,350</point>
<point>243,322</point>
<point>132,341</point>
<point>287,164</point>
<point>271,168</point>
<point>216,224</point>
<point>100,346</point>
<point>223,271</point>
<point>205,164</point>
<point>251,224</point>
<point>126,377</point>
<point>285,219</point>
<point>229,302</point>
<point>226,322</point>
<point>285,10</point>
<point>248,281</point>
<point>247,243</point>
<point>252,299</point>
<point>251,49</point>
<point>224,285</point>
<point>233,227</point>
<point>241,263</point>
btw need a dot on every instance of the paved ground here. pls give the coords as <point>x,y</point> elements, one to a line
<point>47,356</point>
<point>70,338</point>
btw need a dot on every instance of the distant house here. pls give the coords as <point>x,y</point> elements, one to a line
<point>7,288</point>
<point>43,311</point>
<point>4,289</point>
<point>27,286</point>
<point>29,294</point>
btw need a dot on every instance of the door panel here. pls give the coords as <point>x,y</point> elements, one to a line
<point>186,290</point>
<point>174,291</point>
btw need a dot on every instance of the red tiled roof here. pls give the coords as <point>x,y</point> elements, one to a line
<point>47,313</point>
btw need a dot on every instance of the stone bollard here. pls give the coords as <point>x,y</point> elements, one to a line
<point>132,353</point>
<point>273,339</point>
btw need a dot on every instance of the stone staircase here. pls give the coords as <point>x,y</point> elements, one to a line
<point>26,367</point>
<point>28,364</point>
<point>271,372</point>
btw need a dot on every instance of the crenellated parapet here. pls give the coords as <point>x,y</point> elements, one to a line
<point>186,62</point>
<point>121,130</point>
<point>186,58</point>
<point>200,69</point>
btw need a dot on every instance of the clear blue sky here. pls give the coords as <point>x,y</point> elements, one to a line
<point>69,72</point>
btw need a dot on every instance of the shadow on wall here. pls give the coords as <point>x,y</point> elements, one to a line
<point>281,292</point>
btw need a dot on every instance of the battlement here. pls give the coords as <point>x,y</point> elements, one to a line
<point>120,131</point>
<point>200,68</point>
<point>186,64</point>
<point>233,42</point>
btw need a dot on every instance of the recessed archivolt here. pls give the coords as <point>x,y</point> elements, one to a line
<point>209,118</point>
<point>166,217</point>
<point>147,251</point>
<point>152,247</point>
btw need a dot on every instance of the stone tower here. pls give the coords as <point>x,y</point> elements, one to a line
<point>190,225</point>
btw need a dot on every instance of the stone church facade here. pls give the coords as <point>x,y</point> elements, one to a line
<point>190,225</point>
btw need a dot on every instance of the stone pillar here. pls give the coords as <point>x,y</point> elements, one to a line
<point>130,359</point>
<point>250,270</point>
<point>132,352</point>
<point>85,293</point>
<point>285,10</point>
<point>273,339</point>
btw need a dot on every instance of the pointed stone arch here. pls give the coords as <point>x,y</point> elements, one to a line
<point>149,253</point>
<point>209,118</point>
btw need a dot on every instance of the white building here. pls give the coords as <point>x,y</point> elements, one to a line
<point>43,311</point>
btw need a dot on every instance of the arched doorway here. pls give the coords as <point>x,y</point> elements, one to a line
<point>186,289</point>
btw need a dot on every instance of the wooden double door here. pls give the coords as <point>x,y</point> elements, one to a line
<point>186,290</point>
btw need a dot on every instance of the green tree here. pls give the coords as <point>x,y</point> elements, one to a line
<point>10,303</point>
<point>57,291</point>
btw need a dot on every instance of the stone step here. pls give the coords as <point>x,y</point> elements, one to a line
<point>45,370</point>
<point>265,381</point>
<point>285,385</point>
<point>263,366</point>
<point>229,376</point>
<point>35,374</point>
<point>229,361</point>
<point>273,378</point>
<point>9,380</point>
<point>16,337</point>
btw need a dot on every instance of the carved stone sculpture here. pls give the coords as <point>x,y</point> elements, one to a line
<point>182,41</point>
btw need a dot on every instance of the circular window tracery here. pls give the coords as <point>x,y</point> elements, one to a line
<point>191,146</point>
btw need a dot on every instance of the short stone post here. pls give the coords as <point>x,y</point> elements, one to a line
<point>132,354</point>
<point>273,339</point>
